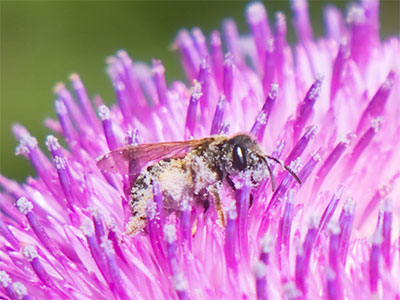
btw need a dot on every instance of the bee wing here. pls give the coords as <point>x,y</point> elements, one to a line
<point>131,159</point>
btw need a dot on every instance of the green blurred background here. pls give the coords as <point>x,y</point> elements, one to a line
<point>42,42</point>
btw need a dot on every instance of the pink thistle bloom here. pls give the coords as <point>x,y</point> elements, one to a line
<point>328,107</point>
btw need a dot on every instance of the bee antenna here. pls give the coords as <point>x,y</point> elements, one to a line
<point>285,167</point>
<point>271,175</point>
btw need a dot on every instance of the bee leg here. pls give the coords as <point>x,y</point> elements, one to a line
<point>204,200</point>
<point>206,204</point>
<point>251,200</point>
<point>194,227</point>
<point>218,204</point>
<point>231,184</point>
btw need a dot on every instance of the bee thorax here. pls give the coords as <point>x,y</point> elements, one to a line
<point>203,175</point>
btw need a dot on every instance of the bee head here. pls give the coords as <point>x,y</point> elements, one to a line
<point>241,154</point>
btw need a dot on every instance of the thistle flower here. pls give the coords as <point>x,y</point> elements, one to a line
<point>328,107</point>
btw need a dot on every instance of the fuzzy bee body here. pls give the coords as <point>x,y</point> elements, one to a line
<point>189,172</point>
<point>179,182</point>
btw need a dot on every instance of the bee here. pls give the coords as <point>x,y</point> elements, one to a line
<point>193,171</point>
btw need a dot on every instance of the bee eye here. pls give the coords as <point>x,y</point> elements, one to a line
<point>239,158</point>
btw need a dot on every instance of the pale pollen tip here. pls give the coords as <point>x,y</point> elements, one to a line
<point>221,101</point>
<point>24,205</point>
<point>298,4</point>
<point>256,12</point>
<point>385,189</point>
<point>386,205</point>
<point>198,35</point>
<point>311,131</point>
<point>316,88</point>
<point>110,223</point>
<point>203,63</point>
<point>119,85</point>
<point>280,18</point>
<point>123,54</point>
<point>290,291</point>
<point>344,48</point>
<point>267,243</point>
<point>294,165</point>
<point>19,288</point>
<point>273,93</point>
<point>389,82</point>
<point>228,59</point>
<point>333,227</point>
<point>59,162</point>
<point>196,90</point>
<point>169,233</point>
<point>262,118</point>
<point>30,252</point>
<point>356,15</point>
<point>229,23</point>
<point>94,211</point>
<point>260,269</point>
<point>231,211</point>
<point>317,157</point>
<point>52,143</point>
<point>5,279</point>
<point>182,39</point>
<point>348,138</point>
<point>215,38</point>
<point>22,149</point>
<point>313,221</point>
<point>60,107</point>
<point>74,77</point>
<point>19,130</point>
<point>225,128</point>
<point>158,67</point>
<point>26,144</point>
<point>349,205</point>
<point>377,238</point>
<point>151,210</point>
<point>290,197</point>
<point>180,282</point>
<point>58,87</point>
<point>184,205</point>
<point>87,227</point>
<point>319,78</point>
<point>377,124</point>
<point>107,245</point>
<point>104,112</point>
<point>280,24</point>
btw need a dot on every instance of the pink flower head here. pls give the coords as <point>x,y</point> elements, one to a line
<point>327,107</point>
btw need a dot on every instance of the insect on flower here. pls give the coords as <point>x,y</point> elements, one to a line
<point>195,170</point>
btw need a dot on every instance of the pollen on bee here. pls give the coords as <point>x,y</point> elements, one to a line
<point>204,174</point>
<point>173,182</point>
<point>259,174</point>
